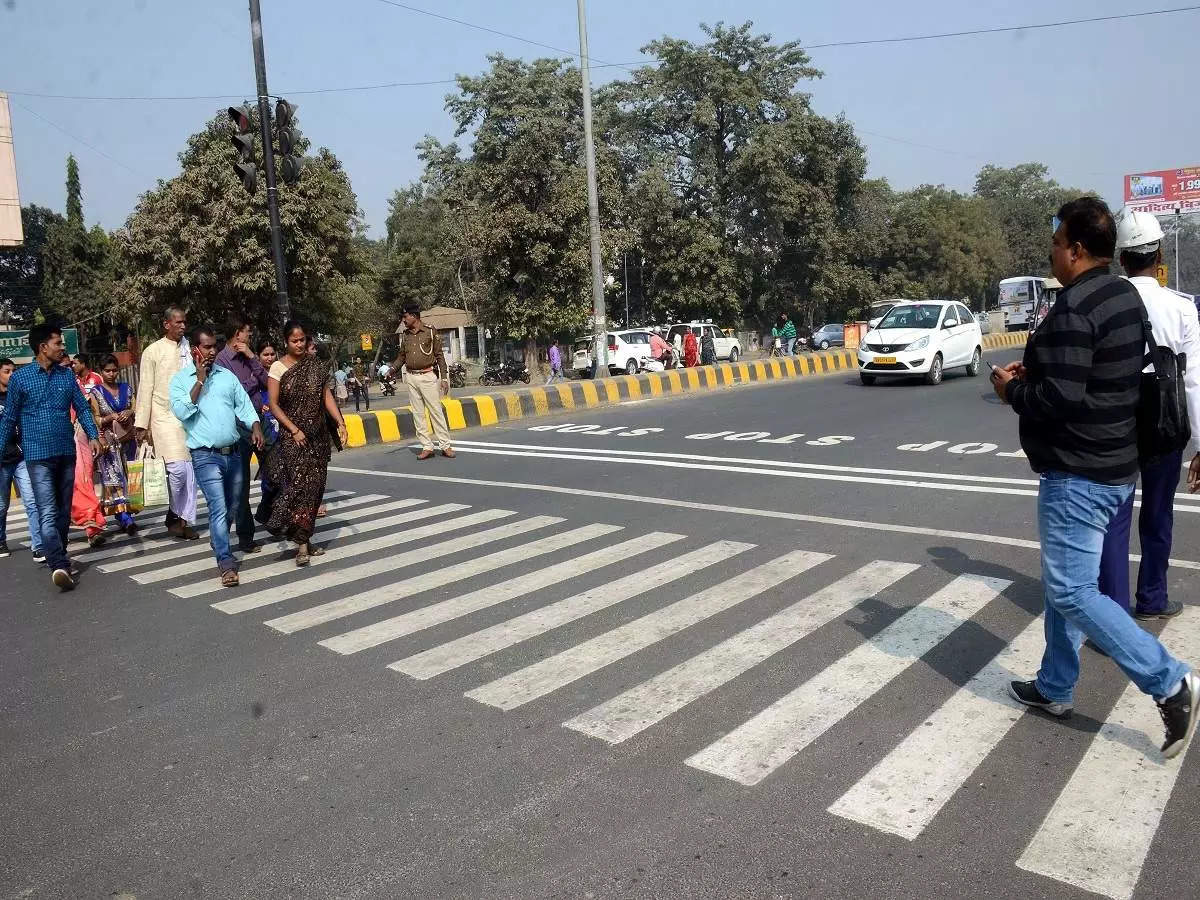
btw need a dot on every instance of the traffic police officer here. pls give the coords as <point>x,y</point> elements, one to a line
<point>1173,319</point>
<point>422,356</point>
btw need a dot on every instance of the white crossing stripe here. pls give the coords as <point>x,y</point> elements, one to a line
<point>313,583</point>
<point>173,549</point>
<point>557,671</point>
<point>475,646</point>
<point>910,785</point>
<point>153,536</point>
<point>493,595</point>
<point>402,589</point>
<point>754,750</point>
<point>252,567</point>
<point>652,701</point>
<point>1099,831</point>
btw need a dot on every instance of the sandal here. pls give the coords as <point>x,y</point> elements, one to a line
<point>315,550</point>
<point>302,555</point>
<point>229,579</point>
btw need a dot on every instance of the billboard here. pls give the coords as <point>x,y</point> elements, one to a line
<point>15,344</point>
<point>1164,191</point>
<point>10,203</point>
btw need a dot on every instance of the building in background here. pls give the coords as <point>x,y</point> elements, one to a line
<point>11,234</point>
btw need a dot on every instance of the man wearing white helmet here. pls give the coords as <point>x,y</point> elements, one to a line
<point>1174,321</point>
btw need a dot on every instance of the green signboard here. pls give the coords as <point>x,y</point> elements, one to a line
<point>15,344</point>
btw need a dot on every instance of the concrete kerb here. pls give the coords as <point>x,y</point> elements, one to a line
<point>483,410</point>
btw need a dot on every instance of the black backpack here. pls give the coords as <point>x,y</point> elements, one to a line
<point>1162,416</point>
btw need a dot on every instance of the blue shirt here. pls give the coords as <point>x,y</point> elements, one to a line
<point>212,421</point>
<point>40,402</point>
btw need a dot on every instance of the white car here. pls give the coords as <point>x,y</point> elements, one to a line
<point>924,338</point>
<point>729,348</point>
<point>881,308</point>
<point>625,348</point>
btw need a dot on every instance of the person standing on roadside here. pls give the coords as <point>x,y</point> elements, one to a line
<point>40,398</point>
<point>154,420</point>
<point>13,471</point>
<point>428,380</point>
<point>238,358</point>
<point>210,403</point>
<point>362,377</point>
<point>1076,393</point>
<point>787,332</point>
<point>555,363</point>
<point>1174,323</point>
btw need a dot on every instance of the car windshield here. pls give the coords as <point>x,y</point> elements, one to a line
<point>583,346</point>
<point>912,315</point>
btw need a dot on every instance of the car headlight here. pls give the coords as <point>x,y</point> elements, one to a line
<point>919,345</point>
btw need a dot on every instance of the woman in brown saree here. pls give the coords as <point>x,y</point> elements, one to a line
<point>299,398</point>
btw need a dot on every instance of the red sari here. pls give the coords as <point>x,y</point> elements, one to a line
<point>85,505</point>
<point>691,350</point>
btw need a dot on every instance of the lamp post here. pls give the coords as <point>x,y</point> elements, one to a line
<point>599,326</point>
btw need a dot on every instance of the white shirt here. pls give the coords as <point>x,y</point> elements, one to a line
<point>1176,325</point>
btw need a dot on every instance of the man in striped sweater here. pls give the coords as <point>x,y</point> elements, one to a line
<point>1076,392</point>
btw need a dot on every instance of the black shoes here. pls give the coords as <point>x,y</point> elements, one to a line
<point>1026,692</point>
<point>62,580</point>
<point>1179,715</point>
<point>3,549</point>
<point>1172,609</point>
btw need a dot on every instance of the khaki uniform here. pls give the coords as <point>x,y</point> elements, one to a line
<point>422,356</point>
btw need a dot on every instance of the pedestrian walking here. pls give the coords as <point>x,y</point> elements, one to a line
<point>214,410</point>
<point>1173,321</point>
<point>363,379</point>
<point>13,471</point>
<point>1076,392</point>
<point>40,398</point>
<point>787,332</point>
<point>155,421</point>
<point>300,400</point>
<point>86,510</point>
<point>238,358</point>
<point>267,354</point>
<point>114,402</point>
<point>428,380</point>
<point>708,349</point>
<point>341,392</point>
<point>556,371</point>
<point>691,350</point>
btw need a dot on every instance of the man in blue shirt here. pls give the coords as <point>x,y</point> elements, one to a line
<point>210,404</point>
<point>40,399</point>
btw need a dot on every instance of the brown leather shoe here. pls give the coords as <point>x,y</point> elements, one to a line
<point>449,453</point>
<point>425,454</point>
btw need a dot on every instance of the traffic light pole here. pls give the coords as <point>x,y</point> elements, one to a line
<point>282,306</point>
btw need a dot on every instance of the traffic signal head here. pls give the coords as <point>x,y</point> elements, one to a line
<point>290,168</point>
<point>290,163</point>
<point>248,173</point>
<point>240,117</point>
<point>284,113</point>
<point>243,141</point>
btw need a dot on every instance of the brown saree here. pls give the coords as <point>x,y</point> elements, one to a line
<point>300,471</point>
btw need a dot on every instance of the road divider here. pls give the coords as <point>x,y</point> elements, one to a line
<point>389,426</point>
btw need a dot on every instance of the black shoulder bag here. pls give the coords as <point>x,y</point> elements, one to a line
<point>1162,416</point>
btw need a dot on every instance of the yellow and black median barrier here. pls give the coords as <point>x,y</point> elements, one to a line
<point>388,426</point>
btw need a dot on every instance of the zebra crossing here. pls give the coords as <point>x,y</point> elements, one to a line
<point>1096,835</point>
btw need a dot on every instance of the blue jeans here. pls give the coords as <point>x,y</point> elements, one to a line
<point>17,472</point>
<point>220,480</point>
<point>789,345</point>
<point>1073,515</point>
<point>243,518</point>
<point>53,483</point>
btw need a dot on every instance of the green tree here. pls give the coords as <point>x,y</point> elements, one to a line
<point>417,261</point>
<point>22,268</point>
<point>517,203</point>
<point>200,241</point>
<point>1023,199</point>
<point>77,264</point>
<point>74,193</point>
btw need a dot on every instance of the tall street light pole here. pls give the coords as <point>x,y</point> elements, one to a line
<point>599,326</point>
<point>282,306</point>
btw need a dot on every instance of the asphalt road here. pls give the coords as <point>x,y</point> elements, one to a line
<point>749,643</point>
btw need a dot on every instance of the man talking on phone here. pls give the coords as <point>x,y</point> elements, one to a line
<point>1076,392</point>
<point>210,404</point>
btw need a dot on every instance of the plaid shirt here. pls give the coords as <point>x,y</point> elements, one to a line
<point>39,401</point>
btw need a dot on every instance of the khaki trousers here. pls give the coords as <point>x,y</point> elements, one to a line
<point>425,396</point>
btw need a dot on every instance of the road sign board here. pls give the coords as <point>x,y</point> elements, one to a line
<point>366,341</point>
<point>1161,274</point>
<point>15,344</point>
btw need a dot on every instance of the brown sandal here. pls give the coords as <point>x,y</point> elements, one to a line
<point>315,550</point>
<point>229,579</point>
<point>302,555</point>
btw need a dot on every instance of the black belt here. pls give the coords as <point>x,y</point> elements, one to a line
<point>222,451</point>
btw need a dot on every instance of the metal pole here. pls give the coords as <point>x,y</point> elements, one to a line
<point>282,307</point>
<point>625,259</point>
<point>1178,228</point>
<point>599,326</point>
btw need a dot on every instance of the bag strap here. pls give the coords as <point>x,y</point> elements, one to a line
<point>1152,354</point>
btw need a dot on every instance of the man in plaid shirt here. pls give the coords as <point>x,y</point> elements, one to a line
<point>40,399</point>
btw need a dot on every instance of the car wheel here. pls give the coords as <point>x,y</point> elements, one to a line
<point>824,345</point>
<point>631,367</point>
<point>733,355</point>
<point>976,363</point>
<point>868,380</point>
<point>934,375</point>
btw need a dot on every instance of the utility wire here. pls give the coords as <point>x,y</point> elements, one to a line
<point>79,140</point>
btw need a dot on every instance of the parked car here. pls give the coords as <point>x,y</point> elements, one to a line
<point>985,323</point>
<point>727,347</point>
<point>923,338</point>
<point>881,308</point>
<point>625,349</point>
<point>581,359</point>
<point>828,336</point>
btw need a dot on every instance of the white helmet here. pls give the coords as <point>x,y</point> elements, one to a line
<point>1138,232</point>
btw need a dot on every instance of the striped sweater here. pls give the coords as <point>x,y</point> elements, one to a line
<point>1078,399</point>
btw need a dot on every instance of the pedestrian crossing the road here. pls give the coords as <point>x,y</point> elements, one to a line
<point>496,598</point>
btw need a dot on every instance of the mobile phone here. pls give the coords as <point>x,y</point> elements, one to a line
<point>198,358</point>
<point>991,365</point>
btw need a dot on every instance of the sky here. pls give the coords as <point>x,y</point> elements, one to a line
<point>1092,101</point>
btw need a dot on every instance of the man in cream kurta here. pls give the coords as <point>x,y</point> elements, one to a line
<point>154,418</point>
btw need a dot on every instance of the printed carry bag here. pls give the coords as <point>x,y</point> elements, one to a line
<point>133,483</point>
<point>154,478</point>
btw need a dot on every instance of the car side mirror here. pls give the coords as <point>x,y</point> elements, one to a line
<point>950,324</point>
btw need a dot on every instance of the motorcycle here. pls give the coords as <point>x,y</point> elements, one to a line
<point>458,375</point>
<point>504,373</point>
<point>388,385</point>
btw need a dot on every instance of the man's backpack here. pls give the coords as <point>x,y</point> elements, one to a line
<point>1162,416</point>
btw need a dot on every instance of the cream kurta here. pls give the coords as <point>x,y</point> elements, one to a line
<point>159,363</point>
